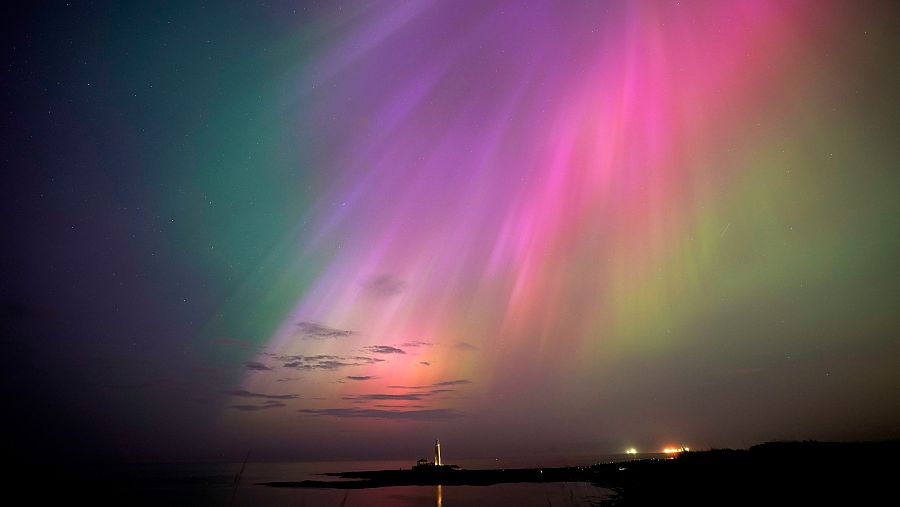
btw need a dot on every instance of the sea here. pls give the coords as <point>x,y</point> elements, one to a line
<point>215,484</point>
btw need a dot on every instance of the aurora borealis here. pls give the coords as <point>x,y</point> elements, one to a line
<point>338,230</point>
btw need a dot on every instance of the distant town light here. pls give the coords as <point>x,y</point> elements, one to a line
<point>676,450</point>
<point>631,450</point>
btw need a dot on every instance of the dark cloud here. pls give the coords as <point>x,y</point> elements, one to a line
<point>314,331</point>
<point>400,406</point>
<point>367,360</point>
<point>420,393</point>
<point>465,346</point>
<point>254,408</point>
<point>360,377</point>
<point>329,364</point>
<point>256,366</point>
<point>247,394</point>
<point>406,415</point>
<point>416,343</point>
<point>384,349</point>
<point>384,285</point>
<point>291,379</point>
<point>385,397</point>
<point>437,384</point>
<point>426,363</point>
<point>325,362</point>
<point>230,342</point>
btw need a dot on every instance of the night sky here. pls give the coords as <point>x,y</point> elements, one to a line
<point>322,230</point>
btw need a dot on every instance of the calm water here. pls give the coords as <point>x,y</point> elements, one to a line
<point>213,484</point>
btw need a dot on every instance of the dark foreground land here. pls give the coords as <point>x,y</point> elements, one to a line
<point>776,473</point>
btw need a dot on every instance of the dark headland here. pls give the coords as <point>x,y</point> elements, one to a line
<point>771,473</point>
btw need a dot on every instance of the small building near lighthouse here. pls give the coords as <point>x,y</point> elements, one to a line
<point>435,464</point>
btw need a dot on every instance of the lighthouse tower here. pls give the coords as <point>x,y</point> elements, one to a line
<point>437,452</point>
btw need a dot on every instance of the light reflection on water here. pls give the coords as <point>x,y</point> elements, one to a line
<point>249,492</point>
<point>213,484</point>
<point>523,494</point>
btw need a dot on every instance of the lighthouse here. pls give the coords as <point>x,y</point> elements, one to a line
<point>437,453</point>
